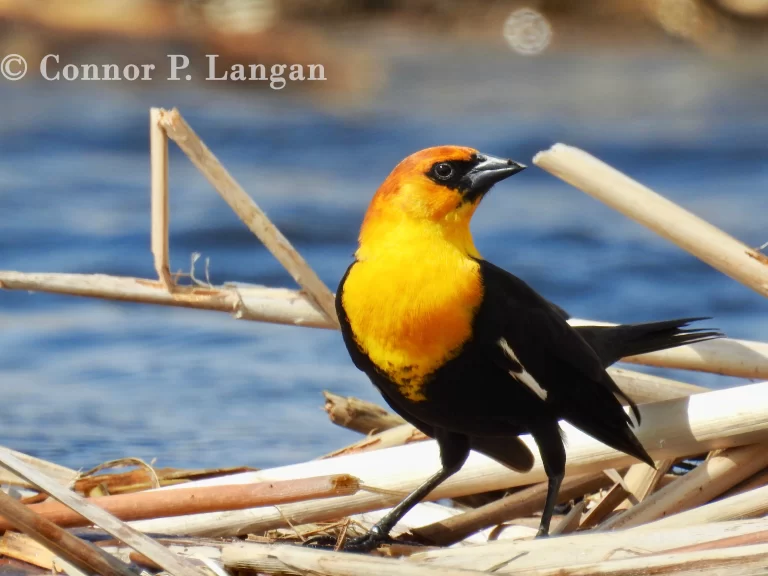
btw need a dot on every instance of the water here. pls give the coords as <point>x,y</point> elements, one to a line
<point>84,381</point>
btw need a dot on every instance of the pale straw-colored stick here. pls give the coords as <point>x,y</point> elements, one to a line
<point>618,554</point>
<point>63,475</point>
<point>513,557</point>
<point>641,480</point>
<point>403,434</point>
<point>136,540</point>
<point>674,428</point>
<point>689,232</point>
<point>317,293</point>
<point>727,542</point>
<point>757,481</point>
<point>83,555</point>
<point>298,560</point>
<point>736,561</point>
<point>644,388</point>
<point>727,356</point>
<point>607,504</point>
<point>751,504</point>
<point>707,481</point>
<point>278,305</point>
<point>570,521</point>
<point>359,415</point>
<point>19,546</point>
<point>158,155</point>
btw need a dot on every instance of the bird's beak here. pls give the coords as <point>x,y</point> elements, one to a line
<point>491,170</point>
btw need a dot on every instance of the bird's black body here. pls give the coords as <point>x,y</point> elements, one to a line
<point>475,401</point>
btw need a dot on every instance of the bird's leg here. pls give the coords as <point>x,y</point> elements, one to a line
<point>552,452</point>
<point>454,449</point>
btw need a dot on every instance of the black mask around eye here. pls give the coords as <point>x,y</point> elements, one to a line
<point>474,177</point>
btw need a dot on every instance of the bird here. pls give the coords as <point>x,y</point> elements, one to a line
<point>467,352</point>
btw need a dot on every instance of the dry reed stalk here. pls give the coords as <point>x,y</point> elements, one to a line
<point>570,523</point>
<point>61,543</point>
<point>25,549</point>
<point>674,428</point>
<point>708,480</point>
<point>689,232</point>
<point>283,559</point>
<point>359,415</point>
<point>403,434</point>
<point>193,549</point>
<point>143,479</point>
<point>503,556</point>
<point>641,480</point>
<point>316,292</point>
<point>158,156</point>
<point>726,356</point>
<point>738,561</point>
<point>157,504</point>
<point>741,358</point>
<point>756,481</point>
<point>607,504</point>
<point>258,303</point>
<point>522,556</point>
<point>524,502</point>
<point>749,504</point>
<point>286,559</point>
<point>144,562</point>
<point>96,515</point>
<point>644,388</point>
<point>61,474</point>
<point>731,541</point>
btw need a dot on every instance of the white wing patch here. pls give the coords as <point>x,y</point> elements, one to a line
<point>522,375</point>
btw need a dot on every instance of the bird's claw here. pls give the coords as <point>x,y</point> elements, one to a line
<point>361,544</point>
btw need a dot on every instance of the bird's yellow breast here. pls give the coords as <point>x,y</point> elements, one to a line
<point>411,310</point>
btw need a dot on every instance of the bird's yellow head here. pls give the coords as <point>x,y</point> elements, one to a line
<point>434,191</point>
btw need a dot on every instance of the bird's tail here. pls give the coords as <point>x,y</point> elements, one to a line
<point>618,435</point>
<point>611,343</point>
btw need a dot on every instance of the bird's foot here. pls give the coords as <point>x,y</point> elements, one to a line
<point>542,533</point>
<point>361,544</point>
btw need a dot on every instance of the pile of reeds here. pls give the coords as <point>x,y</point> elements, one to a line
<point>700,511</point>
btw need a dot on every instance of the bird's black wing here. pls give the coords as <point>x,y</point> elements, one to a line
<point>520,331</point>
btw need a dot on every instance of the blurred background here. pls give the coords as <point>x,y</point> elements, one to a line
<point>673,92</point>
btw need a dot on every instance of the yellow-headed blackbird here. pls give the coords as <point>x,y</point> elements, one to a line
<point>466,352</point>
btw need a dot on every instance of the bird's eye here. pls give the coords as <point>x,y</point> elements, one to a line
<point>443,171</point>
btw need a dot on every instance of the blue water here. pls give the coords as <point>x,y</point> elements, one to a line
<point>84,381</point>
